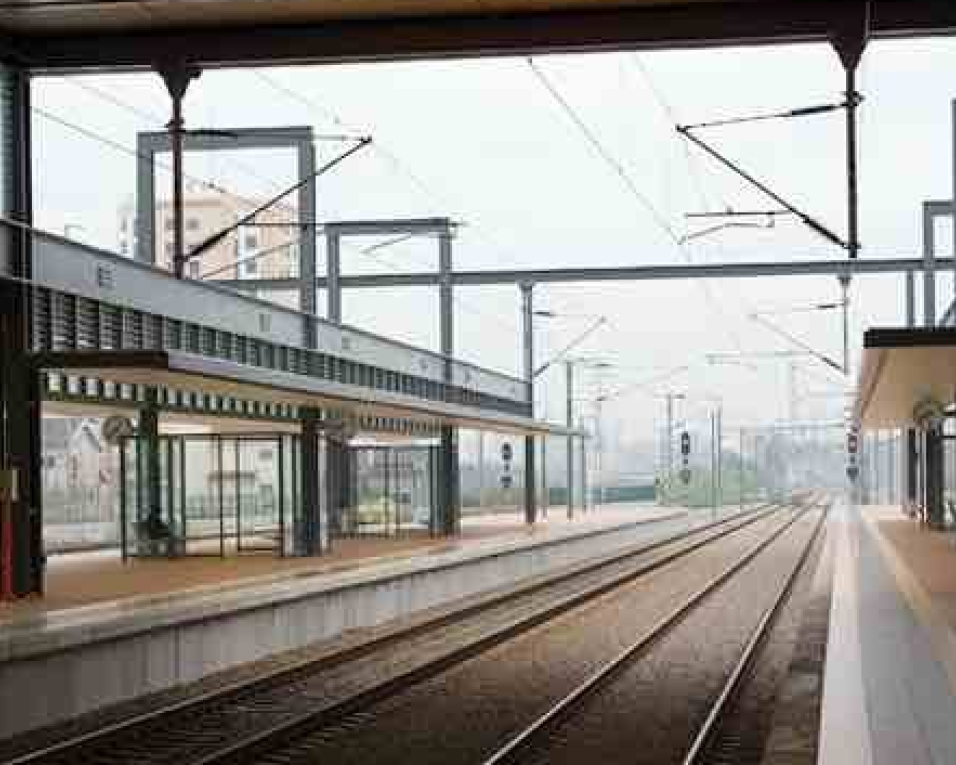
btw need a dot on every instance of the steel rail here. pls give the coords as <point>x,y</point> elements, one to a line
<point>286,731</point>
<point>697,753</point>
<point>208,702</point>
<point>535,734</point>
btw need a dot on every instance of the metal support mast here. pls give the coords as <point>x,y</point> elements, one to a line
<point>527,314</point>
<point>569,420</point>
<point>177,77</point>
<point>849,42</point>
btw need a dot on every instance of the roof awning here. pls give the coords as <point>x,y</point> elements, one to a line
<point>187,371</point>
<point>902,369</point>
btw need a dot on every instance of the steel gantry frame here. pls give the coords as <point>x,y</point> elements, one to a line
<point>298,139</point>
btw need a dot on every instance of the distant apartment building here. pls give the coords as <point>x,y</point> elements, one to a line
<point>206,213</point>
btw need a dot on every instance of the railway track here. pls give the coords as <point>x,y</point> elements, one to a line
<point>249,718</point>
<point>716,741</point>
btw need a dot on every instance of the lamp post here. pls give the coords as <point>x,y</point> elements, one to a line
<point>596,321</point>
<point>570,365</point>
<point>670,397</point>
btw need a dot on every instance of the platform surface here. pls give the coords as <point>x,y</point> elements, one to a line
<point>890,684</point>
<point>92,595</point>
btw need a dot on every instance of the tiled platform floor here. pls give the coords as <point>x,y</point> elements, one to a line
<point>890,689</point>
<point>84,579</point>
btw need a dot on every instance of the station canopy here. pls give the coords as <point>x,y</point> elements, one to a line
<point>187,371</point>
<point>141,33</point>
<point>905,372</point>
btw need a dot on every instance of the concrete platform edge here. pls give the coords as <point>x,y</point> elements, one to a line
<point>844,727</point>
<point>42,689</point>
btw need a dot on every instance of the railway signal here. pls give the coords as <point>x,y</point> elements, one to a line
<point>852,450</point>
<point>685,457</point>
<point>506,456</point>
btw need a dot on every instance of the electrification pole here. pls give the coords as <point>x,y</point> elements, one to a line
<point>569,419</point>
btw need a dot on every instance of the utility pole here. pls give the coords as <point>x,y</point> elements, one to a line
<point>670,440</point>
<point>742,474</point>
<point>792,385</point>
<point>584,467</point>
<point>720,454</point>
<point>670,398</point>
<point>713,463</point>
<point>527,311</point>
<point>481,469</point>
<point>599,450</point>
<point>569,419</point>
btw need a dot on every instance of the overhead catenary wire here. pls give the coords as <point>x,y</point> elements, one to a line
<point>629,183</point>
<point>214,239</point>
<point>154,118</point>
<point>398,164</point>
<point>394,160</point>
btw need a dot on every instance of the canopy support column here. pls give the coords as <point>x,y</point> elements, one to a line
<point>20,391</point>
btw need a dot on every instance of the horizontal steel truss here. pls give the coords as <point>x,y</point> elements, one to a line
<point>65,322</point>
<point>96,392</point>
<point>613,274</point>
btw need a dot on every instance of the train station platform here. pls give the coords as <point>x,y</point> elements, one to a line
<point>108,632</point>
<point>890,678</point>
<point>101,577</point>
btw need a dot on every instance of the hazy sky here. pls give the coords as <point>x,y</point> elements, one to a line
<point>485,142</point>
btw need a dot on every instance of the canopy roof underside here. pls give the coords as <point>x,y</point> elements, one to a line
<point>902,370</point>
<point>128,33</point>
<point>187,371</point>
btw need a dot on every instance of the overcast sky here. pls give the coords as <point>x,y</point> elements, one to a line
<point>487,143</point>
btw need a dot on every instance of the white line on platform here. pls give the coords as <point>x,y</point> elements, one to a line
<point>845,729</point>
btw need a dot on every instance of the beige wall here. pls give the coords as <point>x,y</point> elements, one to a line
<point>205,215</point>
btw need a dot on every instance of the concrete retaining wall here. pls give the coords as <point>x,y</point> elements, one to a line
<point>103,656</point>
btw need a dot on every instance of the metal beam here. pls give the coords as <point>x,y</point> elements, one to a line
<point>614,273</point>
<point>386,227</point>
<point>637,27</point>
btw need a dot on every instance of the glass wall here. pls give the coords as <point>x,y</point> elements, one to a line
<point>218,495</point>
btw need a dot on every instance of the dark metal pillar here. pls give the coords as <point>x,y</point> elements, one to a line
<point>908,467</point>
<point>308,526</point>
<point>569,421</point>
<point>307,246</point>
<point>448,494</point>
<point>333,272</point>
<point>935,511</point>
<point>929,269</point>
<point>152,530</point>
<point>849,39</point>
<point>584,466</point>
<point>527,313</point>
<point>177,76</point>
<point>20,442</point>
